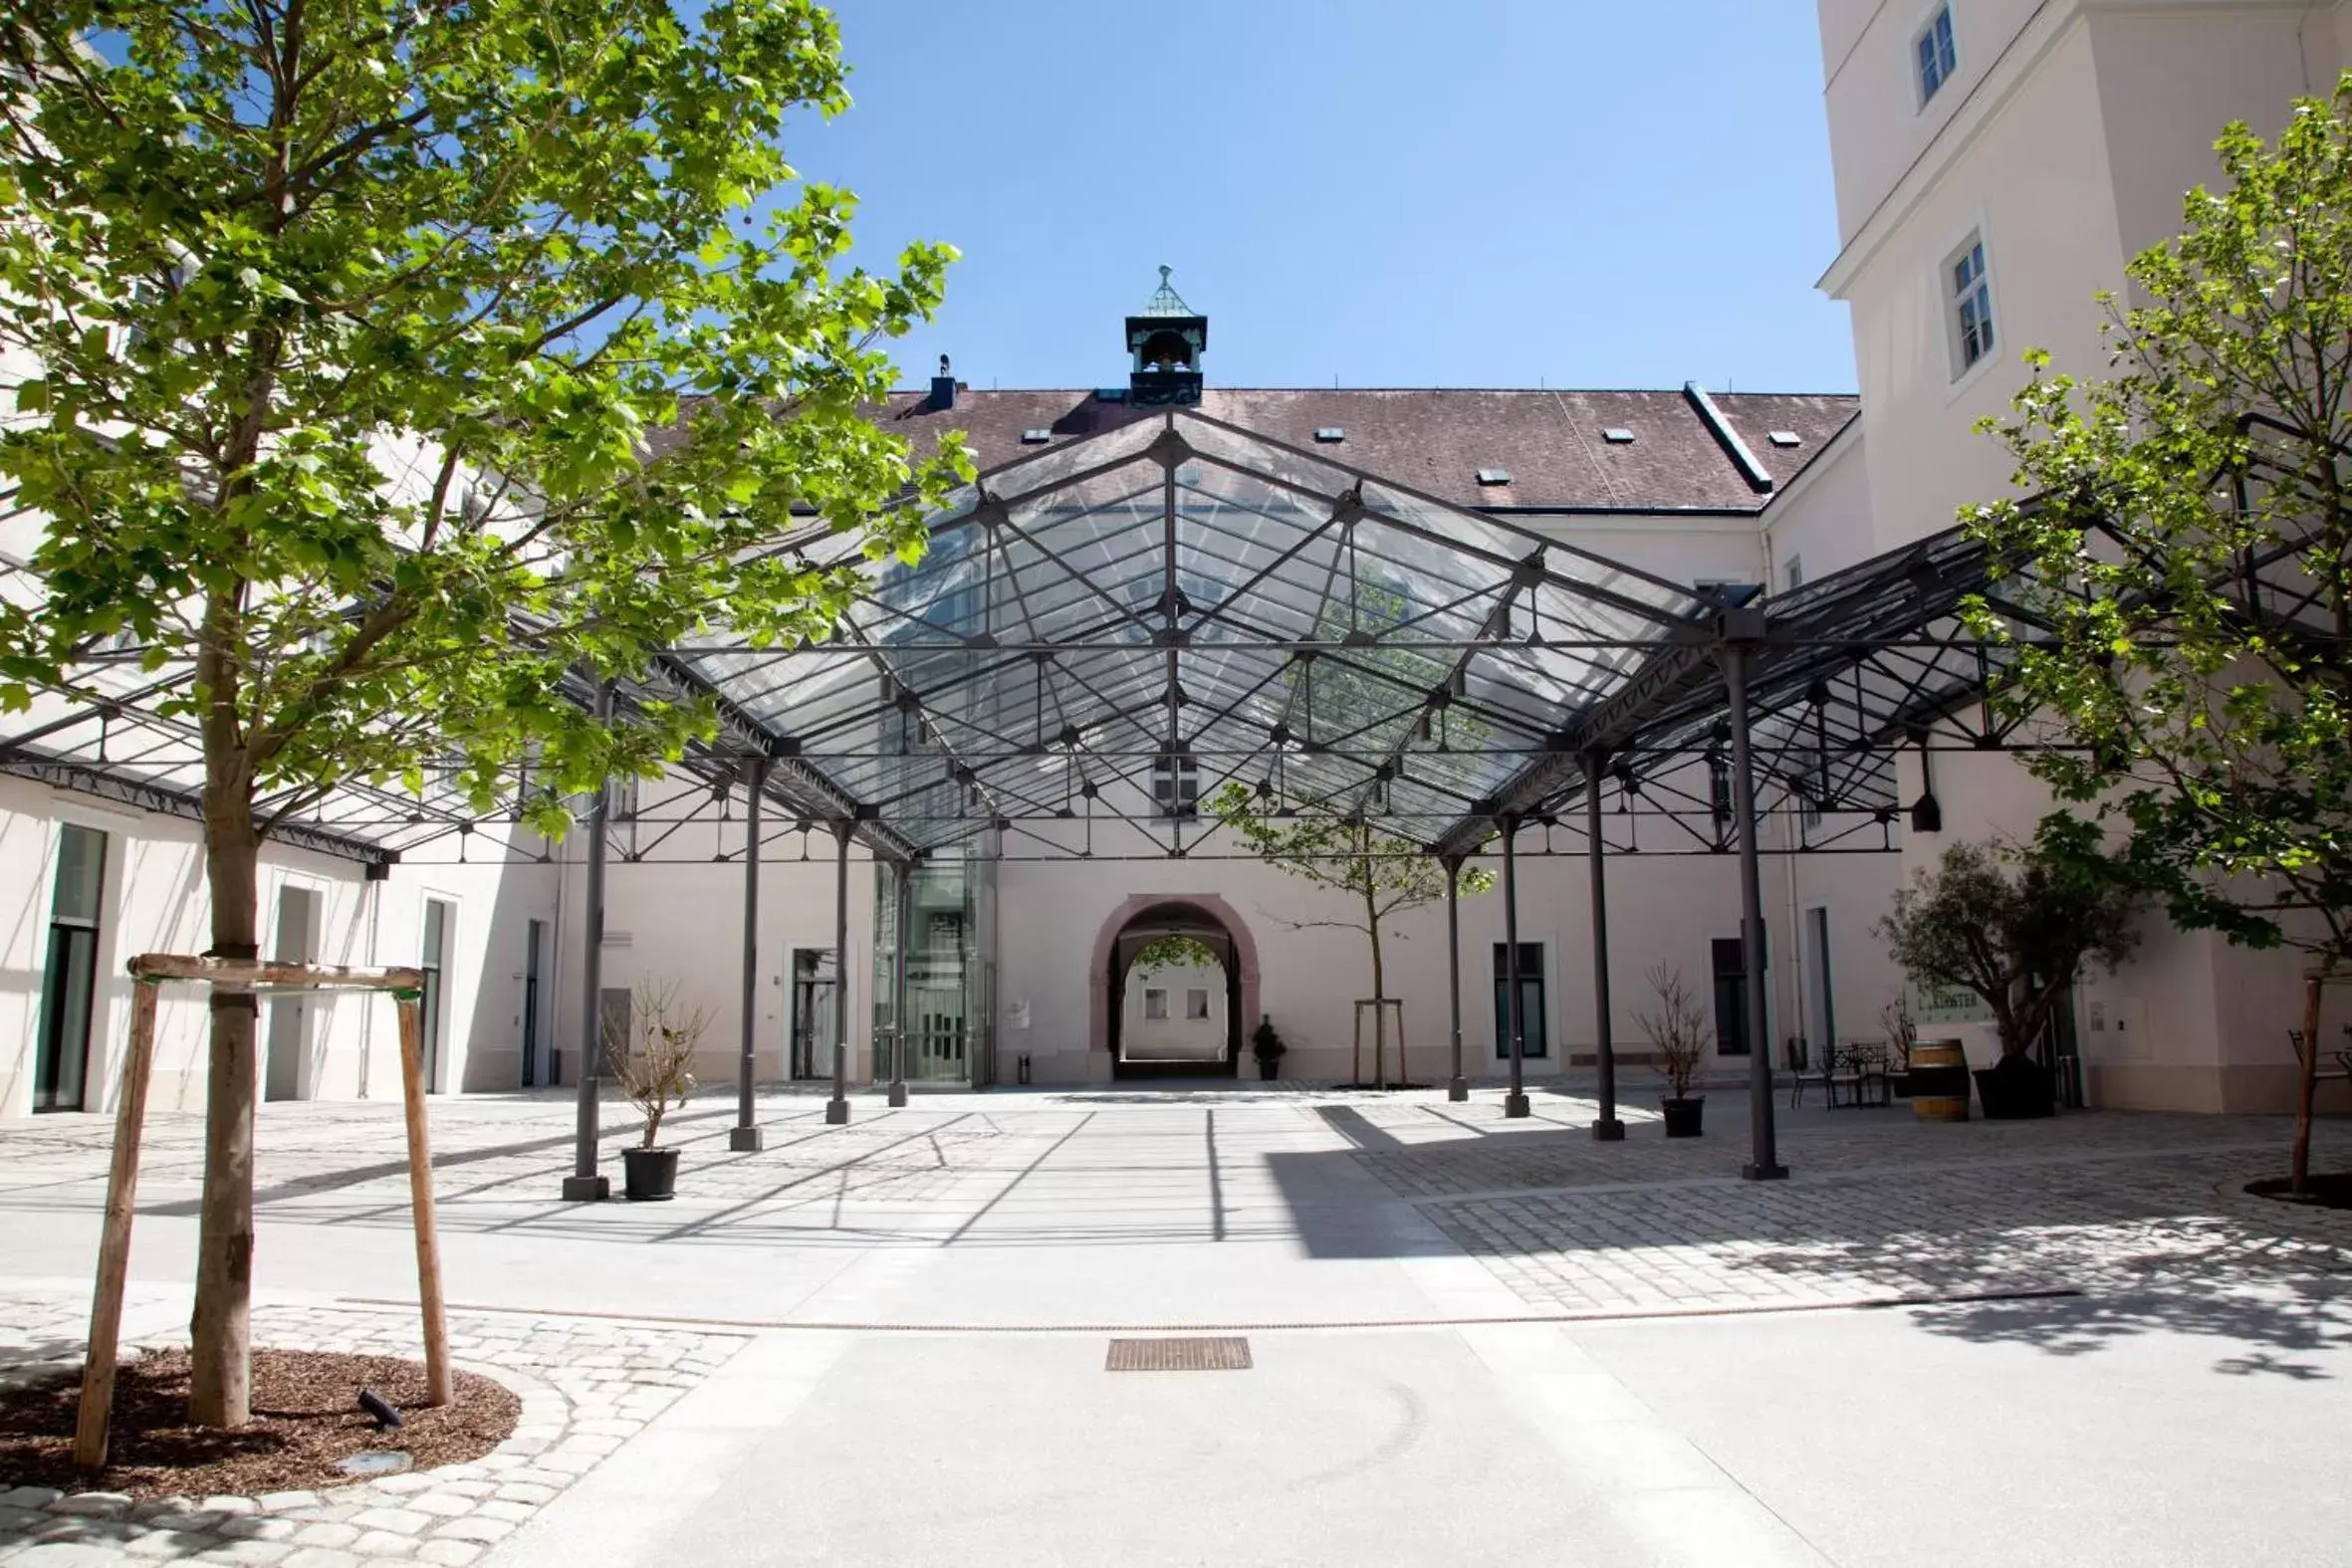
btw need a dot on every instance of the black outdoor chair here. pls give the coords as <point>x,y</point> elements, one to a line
<point>1822,1073</point>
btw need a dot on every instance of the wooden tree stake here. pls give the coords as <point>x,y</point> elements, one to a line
<point>113,1252</point>
<point>438,1385</point>
<point>2306,1082</point>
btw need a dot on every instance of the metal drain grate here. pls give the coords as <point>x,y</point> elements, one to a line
<point>1178,1355</point>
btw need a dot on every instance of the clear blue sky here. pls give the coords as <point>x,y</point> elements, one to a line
<point>1395,192</point>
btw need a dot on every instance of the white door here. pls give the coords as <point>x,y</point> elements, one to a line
<point>289,1033</point>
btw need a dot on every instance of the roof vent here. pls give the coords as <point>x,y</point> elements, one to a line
<point>1784,438</point>
<point>1617,435</point>
<point>1330,433</point>
<point>1036,437</point>
<point>1494,476</point>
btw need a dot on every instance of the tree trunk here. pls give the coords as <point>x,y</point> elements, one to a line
<point>222,1330</point>
<point>2306,1086</point>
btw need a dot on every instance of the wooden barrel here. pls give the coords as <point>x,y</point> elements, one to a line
<point>1939,1082</point>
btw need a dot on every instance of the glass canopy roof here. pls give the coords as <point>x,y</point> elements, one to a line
<point>1180,592</point>
<point>1181,597</point>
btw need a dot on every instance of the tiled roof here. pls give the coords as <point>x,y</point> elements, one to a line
<point>1551,443</point>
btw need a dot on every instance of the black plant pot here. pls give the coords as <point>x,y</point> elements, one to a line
<point>652,1174</point>
<point>1269,1067</point>
<point>1683,1116</point>
<point>2018,1089</point>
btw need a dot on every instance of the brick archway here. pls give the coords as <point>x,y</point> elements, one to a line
<point>1245,955</point>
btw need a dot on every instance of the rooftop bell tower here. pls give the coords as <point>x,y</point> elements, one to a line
<point>1166,337</point>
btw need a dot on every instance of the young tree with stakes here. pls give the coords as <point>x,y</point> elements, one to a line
<point>1362,700</point>
<point>1382,876</point>
<point>2187,551</point>
<point>393,361</point>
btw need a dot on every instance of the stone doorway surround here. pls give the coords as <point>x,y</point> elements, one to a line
<point>1244,956</point>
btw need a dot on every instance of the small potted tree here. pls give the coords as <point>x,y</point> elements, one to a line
<point>2016,938</point>
<point>1267,1047</point>
<point>1901,1034</point>
<point>1677,1030</point>
<point>652,1059</point>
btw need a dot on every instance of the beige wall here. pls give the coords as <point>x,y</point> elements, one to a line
<point>154,901</point>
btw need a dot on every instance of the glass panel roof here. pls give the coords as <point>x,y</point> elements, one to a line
<point>1180,585</point>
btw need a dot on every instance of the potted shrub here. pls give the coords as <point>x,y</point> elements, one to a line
<point>652,1059</point>
<point>2016,938</point>
<point>1901,1034</point>
<point>1676,1029</point>
<point>1267,1047</point>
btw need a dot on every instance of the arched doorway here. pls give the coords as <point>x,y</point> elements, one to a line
<point>1184,1012</point>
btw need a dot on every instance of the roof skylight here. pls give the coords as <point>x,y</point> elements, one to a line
<point>1617,435</point>
<point>1494,476</point>
<point>1784,438</point>
<point>1036,437</point>
<point>1330,433</point>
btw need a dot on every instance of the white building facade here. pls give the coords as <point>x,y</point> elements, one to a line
<point>1996,161</point>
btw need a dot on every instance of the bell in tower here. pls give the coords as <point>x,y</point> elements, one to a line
<point>1166,337</point>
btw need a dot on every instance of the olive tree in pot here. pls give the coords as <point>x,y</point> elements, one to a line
<point>2018,938</point>
<point>652,1059</point>
<point>1677,1030</point>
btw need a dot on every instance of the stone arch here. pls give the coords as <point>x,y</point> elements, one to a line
<point>1210,907</point>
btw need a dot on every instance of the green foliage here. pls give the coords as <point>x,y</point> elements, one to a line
<point>388,362</point>
<point>1178,952</point>
<point>1321,841</point>
<point>2017,940</point>
<point>2204,720</point>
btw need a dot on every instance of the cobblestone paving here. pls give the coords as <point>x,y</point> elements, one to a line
<point>586,1387</point>
<point>1884,1208</point>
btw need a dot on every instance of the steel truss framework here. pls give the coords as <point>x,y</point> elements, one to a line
<point>1108,632</point>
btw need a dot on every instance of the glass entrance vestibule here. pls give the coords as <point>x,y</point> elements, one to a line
<point>941,914</point>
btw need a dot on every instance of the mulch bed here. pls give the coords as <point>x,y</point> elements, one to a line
<point>306,1418</point>
<point>2321,1189</point>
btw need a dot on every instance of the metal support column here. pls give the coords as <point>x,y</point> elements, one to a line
<point>583,1184</point>
<point>1457,1087</point>
<point>1763,1164</point>
<point>1605,1127</point>
<point>836,1109</point>
<point>745,1136</point>
<point>904,924</point>
<point>1515,1103</point>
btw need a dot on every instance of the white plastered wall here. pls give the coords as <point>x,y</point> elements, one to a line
<point>154,900</point>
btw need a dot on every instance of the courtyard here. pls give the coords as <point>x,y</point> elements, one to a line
<point>1467,1336</point>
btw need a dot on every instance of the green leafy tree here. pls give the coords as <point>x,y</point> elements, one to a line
<point>1321,842</point>
<point>388,361</point>
<point>2185,545</point>
<point>2016,938</point>
<point>1178,952</point>
<point>1367,698</point>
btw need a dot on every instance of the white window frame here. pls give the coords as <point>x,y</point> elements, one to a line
<point>1155,994</point>
<point>1949,299</point>
<point>1794,572</point>
<point>1196,996</point>
<point>1947,53</point>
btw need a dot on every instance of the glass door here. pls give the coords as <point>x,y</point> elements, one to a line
<point>429,1006</point>
<point>814,988</point>
<point>1535,1038</point>
<point>61,1066</point>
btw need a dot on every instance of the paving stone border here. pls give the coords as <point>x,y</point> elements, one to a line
<point>586,1387</point>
